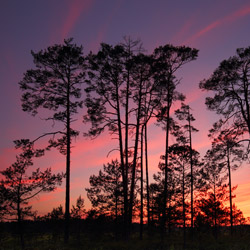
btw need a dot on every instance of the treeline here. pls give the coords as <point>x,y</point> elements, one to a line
<point>125,89</point>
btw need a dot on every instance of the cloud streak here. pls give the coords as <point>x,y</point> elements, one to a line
<point>76,9</point>
<point>185,29</point>
<point>244,11</point>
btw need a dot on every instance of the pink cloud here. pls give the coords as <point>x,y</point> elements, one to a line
<point>47,196</point>
<point>204,31</point>
<point>75,10</point>
<point>45,202</point>
<point>225,20</point>
<point>185,29</point>
<point>238,14</point>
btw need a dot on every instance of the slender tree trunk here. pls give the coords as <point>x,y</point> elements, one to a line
<point>126,156</point>
<point>67,200</point>
<point>124,179</point>
<point>141,215</point>
<point>147,178</point>
<point>116,213</point>
<point>135,157</point>
<point>230,191</point>
<point>215,212</point>
<point>165,192</point>
<point>184,207</point>
<point>246,116</point>
<point>191,173</point>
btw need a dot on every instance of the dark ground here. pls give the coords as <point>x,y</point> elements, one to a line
<point>101,236</point>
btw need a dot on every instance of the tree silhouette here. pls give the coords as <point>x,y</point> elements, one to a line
<point>168,59</point>
<point>151,103</point>
<point>104,100</point>
<point>56,213</point>
<point>174,212</point>
<point>229,154</point>
<point>141,76</point>
<point>4,205</point>
<point>78,211</point>
<point>105,192</point>
<point>118,80</point>
<point>54,85</point>
<point>184,114</point>
<point>156,197</point>
<point>212,186</point>
<point>131,48</point>
<point>141,205</point>
<point>230,85</point>
<point>19,187</point>
<point>179,156</point>
<point>211,209</point>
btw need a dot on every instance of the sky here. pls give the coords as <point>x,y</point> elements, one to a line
<point>216,28</point>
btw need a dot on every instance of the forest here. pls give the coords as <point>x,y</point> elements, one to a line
<point>187,204</point>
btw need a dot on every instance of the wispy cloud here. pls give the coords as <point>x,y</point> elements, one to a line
<point>76,9</point>
<point>225,20</point>
<point>184,30</point>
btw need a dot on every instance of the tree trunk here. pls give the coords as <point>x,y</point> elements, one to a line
<point>165,192</point>
<point>183,207</point>
<point>116,211</point>
<point>141,215</point>
<point>67,200</point>
<point>124,172</point>
<point>215,213</point>
<point>191,173</point>
<point>126,158</point>
<point>230,191</point>
<point>147,178</point>
<point>135,157</point>
<point>246,91</point>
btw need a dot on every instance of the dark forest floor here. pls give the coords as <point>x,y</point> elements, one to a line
<point>106,240</point>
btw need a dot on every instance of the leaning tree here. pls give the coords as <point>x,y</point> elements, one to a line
<point>54,85</point>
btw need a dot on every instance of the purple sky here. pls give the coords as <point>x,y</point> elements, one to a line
<point>216,28</point>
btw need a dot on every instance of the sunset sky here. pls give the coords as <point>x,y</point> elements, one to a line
<point>216,27</point>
